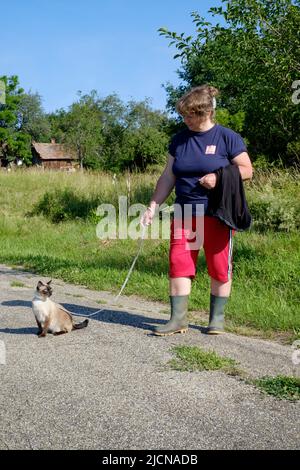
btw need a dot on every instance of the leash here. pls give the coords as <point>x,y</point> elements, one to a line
<point>141,241</point>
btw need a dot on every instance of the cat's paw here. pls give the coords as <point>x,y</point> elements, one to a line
<point>41,335</point>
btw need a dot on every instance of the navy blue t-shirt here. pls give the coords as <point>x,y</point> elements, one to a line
<point>198,153</point>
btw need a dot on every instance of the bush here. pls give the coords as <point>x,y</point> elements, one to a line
<point>62,205</point>
<point>68,204</point>
<point>269,213</point>
<point>293,152</point>
<point>273,197</point>
<point>273,200</point>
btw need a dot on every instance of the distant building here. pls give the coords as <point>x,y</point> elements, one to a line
<point>53,156</point>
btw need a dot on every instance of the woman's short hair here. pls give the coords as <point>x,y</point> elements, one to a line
<point>199,100</point>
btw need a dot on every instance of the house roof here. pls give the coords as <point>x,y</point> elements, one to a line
<point>53,151</point>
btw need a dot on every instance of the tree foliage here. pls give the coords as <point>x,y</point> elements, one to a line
<point>32,118</point>
<point>83,129</point>
<point>14,143</point>
<point>109,134</point>
<point>252,56</point>
<point>104,132</point>
<point>141,138</point>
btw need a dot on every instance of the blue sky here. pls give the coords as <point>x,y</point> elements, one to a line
<point>58,47</point>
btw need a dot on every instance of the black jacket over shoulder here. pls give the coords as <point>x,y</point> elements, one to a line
<point>227,200</point>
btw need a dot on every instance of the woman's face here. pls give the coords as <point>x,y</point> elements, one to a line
<point>194,122</point>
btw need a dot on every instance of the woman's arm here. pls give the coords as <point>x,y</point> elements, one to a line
<point>244,164</point>
<point>164,186</point>
<point>242,161</point>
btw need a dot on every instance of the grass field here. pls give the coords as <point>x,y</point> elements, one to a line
<point>265,294</point>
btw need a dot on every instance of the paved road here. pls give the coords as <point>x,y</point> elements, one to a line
<point>109,386</point>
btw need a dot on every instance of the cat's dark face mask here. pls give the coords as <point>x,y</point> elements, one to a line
<point>49,289</point>
<point>44,289</point>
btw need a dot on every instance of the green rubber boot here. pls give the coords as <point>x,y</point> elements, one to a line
<point>216,315</point>
<point>178,321</point>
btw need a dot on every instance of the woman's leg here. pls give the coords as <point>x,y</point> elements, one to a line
<point>182,270</point>
<point>219,295</point>
<point>220,289</point>
<point>180,285</point>
<point>218,243</point>
<point>180,288</point>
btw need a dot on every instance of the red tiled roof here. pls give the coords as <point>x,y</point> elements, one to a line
<point>53,152</point>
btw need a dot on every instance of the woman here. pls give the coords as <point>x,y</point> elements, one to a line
<point>194,155</point>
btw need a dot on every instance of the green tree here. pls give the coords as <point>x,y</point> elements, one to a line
<point>134,134</point>
<point>83,130</point>
<point>112,111</point>
<point>14,143</point>
<point>32,118</point>
<point>145,137</point>
<point>109,134</point>
<point>253,57</point>
<point>58,124</point>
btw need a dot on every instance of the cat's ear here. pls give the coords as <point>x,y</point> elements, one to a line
<point>39,284</point>
<point>48,283</point>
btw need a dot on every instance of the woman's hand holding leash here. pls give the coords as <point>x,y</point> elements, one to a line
<point>147,217</point>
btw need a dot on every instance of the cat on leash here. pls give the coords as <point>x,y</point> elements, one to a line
<point>50,316</point>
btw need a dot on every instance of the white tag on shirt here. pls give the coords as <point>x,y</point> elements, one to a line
<point>210,150</point>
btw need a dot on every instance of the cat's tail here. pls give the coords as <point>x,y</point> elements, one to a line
<point>78,326</point>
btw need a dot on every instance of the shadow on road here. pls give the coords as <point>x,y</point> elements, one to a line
<point>16,303</point>
<point>19,331</point>
<point>106,315</point>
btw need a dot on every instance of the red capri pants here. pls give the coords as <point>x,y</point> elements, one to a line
<point>217,245</point>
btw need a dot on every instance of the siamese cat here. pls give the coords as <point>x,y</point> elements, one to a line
<point>52,317</point>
